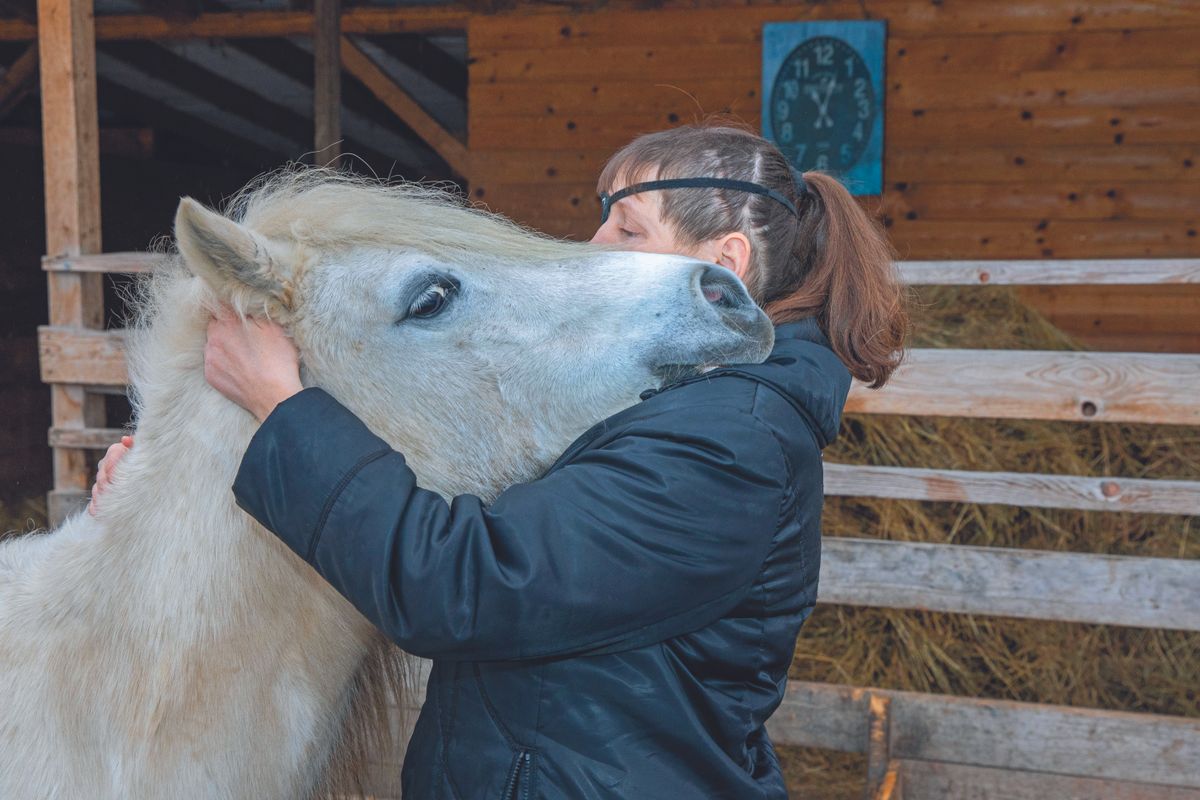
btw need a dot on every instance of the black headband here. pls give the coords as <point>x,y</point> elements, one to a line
<point>607,200</point>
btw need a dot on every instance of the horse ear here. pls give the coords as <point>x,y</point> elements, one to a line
<point>234,260</point>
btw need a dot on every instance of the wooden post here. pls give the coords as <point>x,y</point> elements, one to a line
<point>327,81</point>
<point>878,747</point>
<point>67,55</point>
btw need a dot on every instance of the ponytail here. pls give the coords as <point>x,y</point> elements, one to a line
<point>848,282</point>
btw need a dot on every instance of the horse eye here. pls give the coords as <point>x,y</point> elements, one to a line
<point>433,300</point>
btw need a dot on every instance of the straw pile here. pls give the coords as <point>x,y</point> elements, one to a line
<point>1083,665</point>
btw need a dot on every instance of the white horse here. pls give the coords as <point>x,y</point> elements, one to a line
<point>173,648</point>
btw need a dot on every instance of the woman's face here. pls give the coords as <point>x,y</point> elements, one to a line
<point>635,223</point>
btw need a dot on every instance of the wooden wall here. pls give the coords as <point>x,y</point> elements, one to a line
<point>1014,128</point>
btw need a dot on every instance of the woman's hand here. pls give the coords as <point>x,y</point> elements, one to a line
<point>253,363</point>
<point>104,471</point>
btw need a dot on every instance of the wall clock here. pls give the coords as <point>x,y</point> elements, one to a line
<point>823,97</point>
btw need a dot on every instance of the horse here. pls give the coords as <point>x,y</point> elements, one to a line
<point>172,647</point>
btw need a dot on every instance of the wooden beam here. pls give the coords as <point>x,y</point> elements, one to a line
<point>71,355</point>
<point>1001,734</point>
<point>1031,384</point>
<point>327,82</point>
<point>402,104</point>
<point>1007,582</point>
<point>86,438</point>
<point>242,24</point>
<point>1090,272</point>
<point>71,158</point>
<point>936,780</point>
<point>878,747</point>
<point>1133,495</point>
<point>120,263</point>
<point>18,79</point>
<point>125,142</point>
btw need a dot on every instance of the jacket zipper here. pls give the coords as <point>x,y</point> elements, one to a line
<point>520,765</point>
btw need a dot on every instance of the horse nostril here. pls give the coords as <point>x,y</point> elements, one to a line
<point>721,288</point>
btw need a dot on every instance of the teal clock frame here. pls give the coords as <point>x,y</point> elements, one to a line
<point>868,39</point>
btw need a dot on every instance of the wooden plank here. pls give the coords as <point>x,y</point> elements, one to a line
<point>1042,200</point>
<point>404,106</point>
<point>86,438</point>
<point>1039,88</point>
<point>878,746</point>
<point>247,24</point>
<point>127,263</point>
<point>1026,164</point>
<point>892,785</point>
<point>71,168</point>
<point>1089,272</point>
<point>543,166</point>
<point>1029,384</point>
<point>984,238</point>
<point>932,779</point>
<point>18,80</point>
<point>714,25</point>
<point>83,357</point>
<point>1130,495</point>
<point>690,99</point>
<point>1106,745</point>
<point>1006,582</point>
<point>327,82</point>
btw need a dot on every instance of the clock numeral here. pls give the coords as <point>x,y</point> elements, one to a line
<point>791,89</point>
<point>801,149</point>
<point>860,88</point>
<point>822,162</point>
<point>801,68</point>
<point>850,67</point>
<point>864,108</point>
<point>858,130</point>
<point>786,134</point>
<point>782,108</point>
<point>847,153</point>
<point>824,54</point>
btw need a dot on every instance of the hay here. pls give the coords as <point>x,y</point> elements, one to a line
<point>1083,665</point>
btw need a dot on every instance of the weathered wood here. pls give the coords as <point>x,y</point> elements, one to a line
<point>892,785</point>
<point>82,357</point>
<point>1026,384</point>
<point>878,747</point>
<point>1131,495</point>
<point>402,104</point>
<point>932,780</point>
<point>1007,582</point>
<point>85,438</point>
<point>246,24</point>
<point>104,262</point>
<point>327,83</point>
<point>1109,745</point>
<point>18,80</point>
<point>1090,272</point>
<point>62,503</point>
<point>71,165</point>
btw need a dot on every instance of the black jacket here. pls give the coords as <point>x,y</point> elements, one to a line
<point>620,627</point>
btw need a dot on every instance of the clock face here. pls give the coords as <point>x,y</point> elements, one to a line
<point>823,106</point>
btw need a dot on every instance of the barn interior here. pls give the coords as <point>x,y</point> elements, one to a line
<point>1040,131</point>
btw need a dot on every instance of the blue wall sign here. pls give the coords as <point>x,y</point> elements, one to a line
<point>823,98</point>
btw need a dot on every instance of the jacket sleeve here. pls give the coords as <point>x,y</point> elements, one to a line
<point>658,533</point>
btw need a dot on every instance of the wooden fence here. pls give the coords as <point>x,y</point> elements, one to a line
<point>923,745</point>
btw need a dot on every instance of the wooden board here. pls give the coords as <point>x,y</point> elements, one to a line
<point>932,780</point>
<point>86,438</point>
<point>1131,495</point>
<point>1078,200</point>
<point>1006,582</point>
<point>1080,272</point>
<point>1108,745</point>
<point>104,262</point>
<point>1095,387</point>
<point>1031,164</point>
<point>82,357</point>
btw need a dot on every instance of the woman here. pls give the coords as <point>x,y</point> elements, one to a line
<point>623,626</point>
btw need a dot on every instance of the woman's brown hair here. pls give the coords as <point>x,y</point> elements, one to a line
<point>829,260</point>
